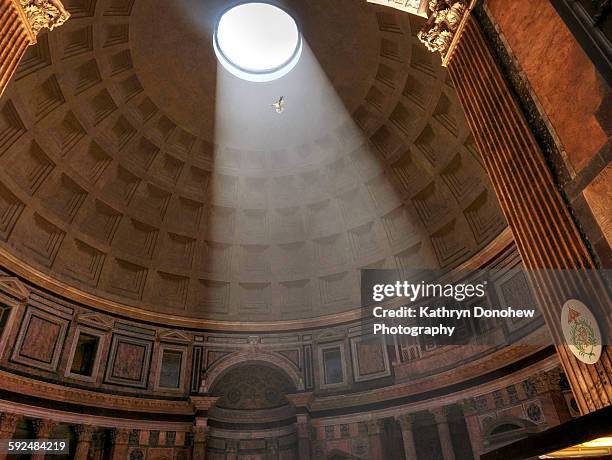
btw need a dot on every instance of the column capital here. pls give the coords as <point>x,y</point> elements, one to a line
<point>44,14</point>
<point>443,24</point>
<point>43,427</point>
<point>374,427</point>
<point>84,432</point>
<point>406,421</point>
<point>544,381</point>
<point>200,433</point>
<point>120,435</point>
<point>8,421</point>
<point>441,414</point>
<point>468,406</point>
<point>547,381</point>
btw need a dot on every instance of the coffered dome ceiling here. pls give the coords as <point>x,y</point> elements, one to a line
<point>133,168</point>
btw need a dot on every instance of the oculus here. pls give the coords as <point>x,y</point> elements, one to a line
<point>257,42</point>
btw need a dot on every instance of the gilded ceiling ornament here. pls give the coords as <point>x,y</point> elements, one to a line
<point>44,14</point>
<point>444,19</point>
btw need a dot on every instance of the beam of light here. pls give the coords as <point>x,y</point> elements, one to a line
<point>315,132</point>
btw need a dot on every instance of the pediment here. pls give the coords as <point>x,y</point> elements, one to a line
<point>13,287</point>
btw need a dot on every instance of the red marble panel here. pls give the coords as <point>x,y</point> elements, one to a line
<point>370,356</point>
<point>561,74</point>
<point>40,339</point>
<point>129,361</point>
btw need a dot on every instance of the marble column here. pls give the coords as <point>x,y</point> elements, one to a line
<point>444,434</point>
<point>84,434</point>
<point>8,425</point>
<point>43,429</point>
<point>200,434</point>
<point>303,433</point>
<point>120,439</point>
<point>545,234</point>
<point>20,22</point>
<point>406,422</point>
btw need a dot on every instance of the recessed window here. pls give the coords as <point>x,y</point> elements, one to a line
<point>84,355</point>
<point>257,42</point>
<point>332,360</point>
<point>170,374</point>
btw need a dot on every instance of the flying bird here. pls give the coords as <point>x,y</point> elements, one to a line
<point>280,105</point>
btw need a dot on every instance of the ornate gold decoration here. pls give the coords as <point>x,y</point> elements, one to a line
<point>444,19</point>
<point>43,14</point>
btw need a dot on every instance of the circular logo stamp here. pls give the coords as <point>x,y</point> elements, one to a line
<point>581,331</point>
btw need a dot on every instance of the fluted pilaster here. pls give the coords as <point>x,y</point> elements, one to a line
<point>8,425</point>
<point>200,435</point>
<point>545,234</point>
<point>303,432</point>
<point>20,22</point>
<point>84,434</point>
<point>120,439</point>
<point>44,430</point>
<point>15,37</point>
<point>375,428</point>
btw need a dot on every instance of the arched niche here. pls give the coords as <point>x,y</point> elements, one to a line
<point>243,357</point>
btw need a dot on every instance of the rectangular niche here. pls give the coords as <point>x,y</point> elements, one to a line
<point>333,368</point>
<point>84,358</point>
<point>171,369</point>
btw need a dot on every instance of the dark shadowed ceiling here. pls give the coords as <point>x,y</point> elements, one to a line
<point>133,169</point>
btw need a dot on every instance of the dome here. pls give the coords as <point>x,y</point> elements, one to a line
<point>153,178</point>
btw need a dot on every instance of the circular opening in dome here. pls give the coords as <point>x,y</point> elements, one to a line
<point>257,41</point>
